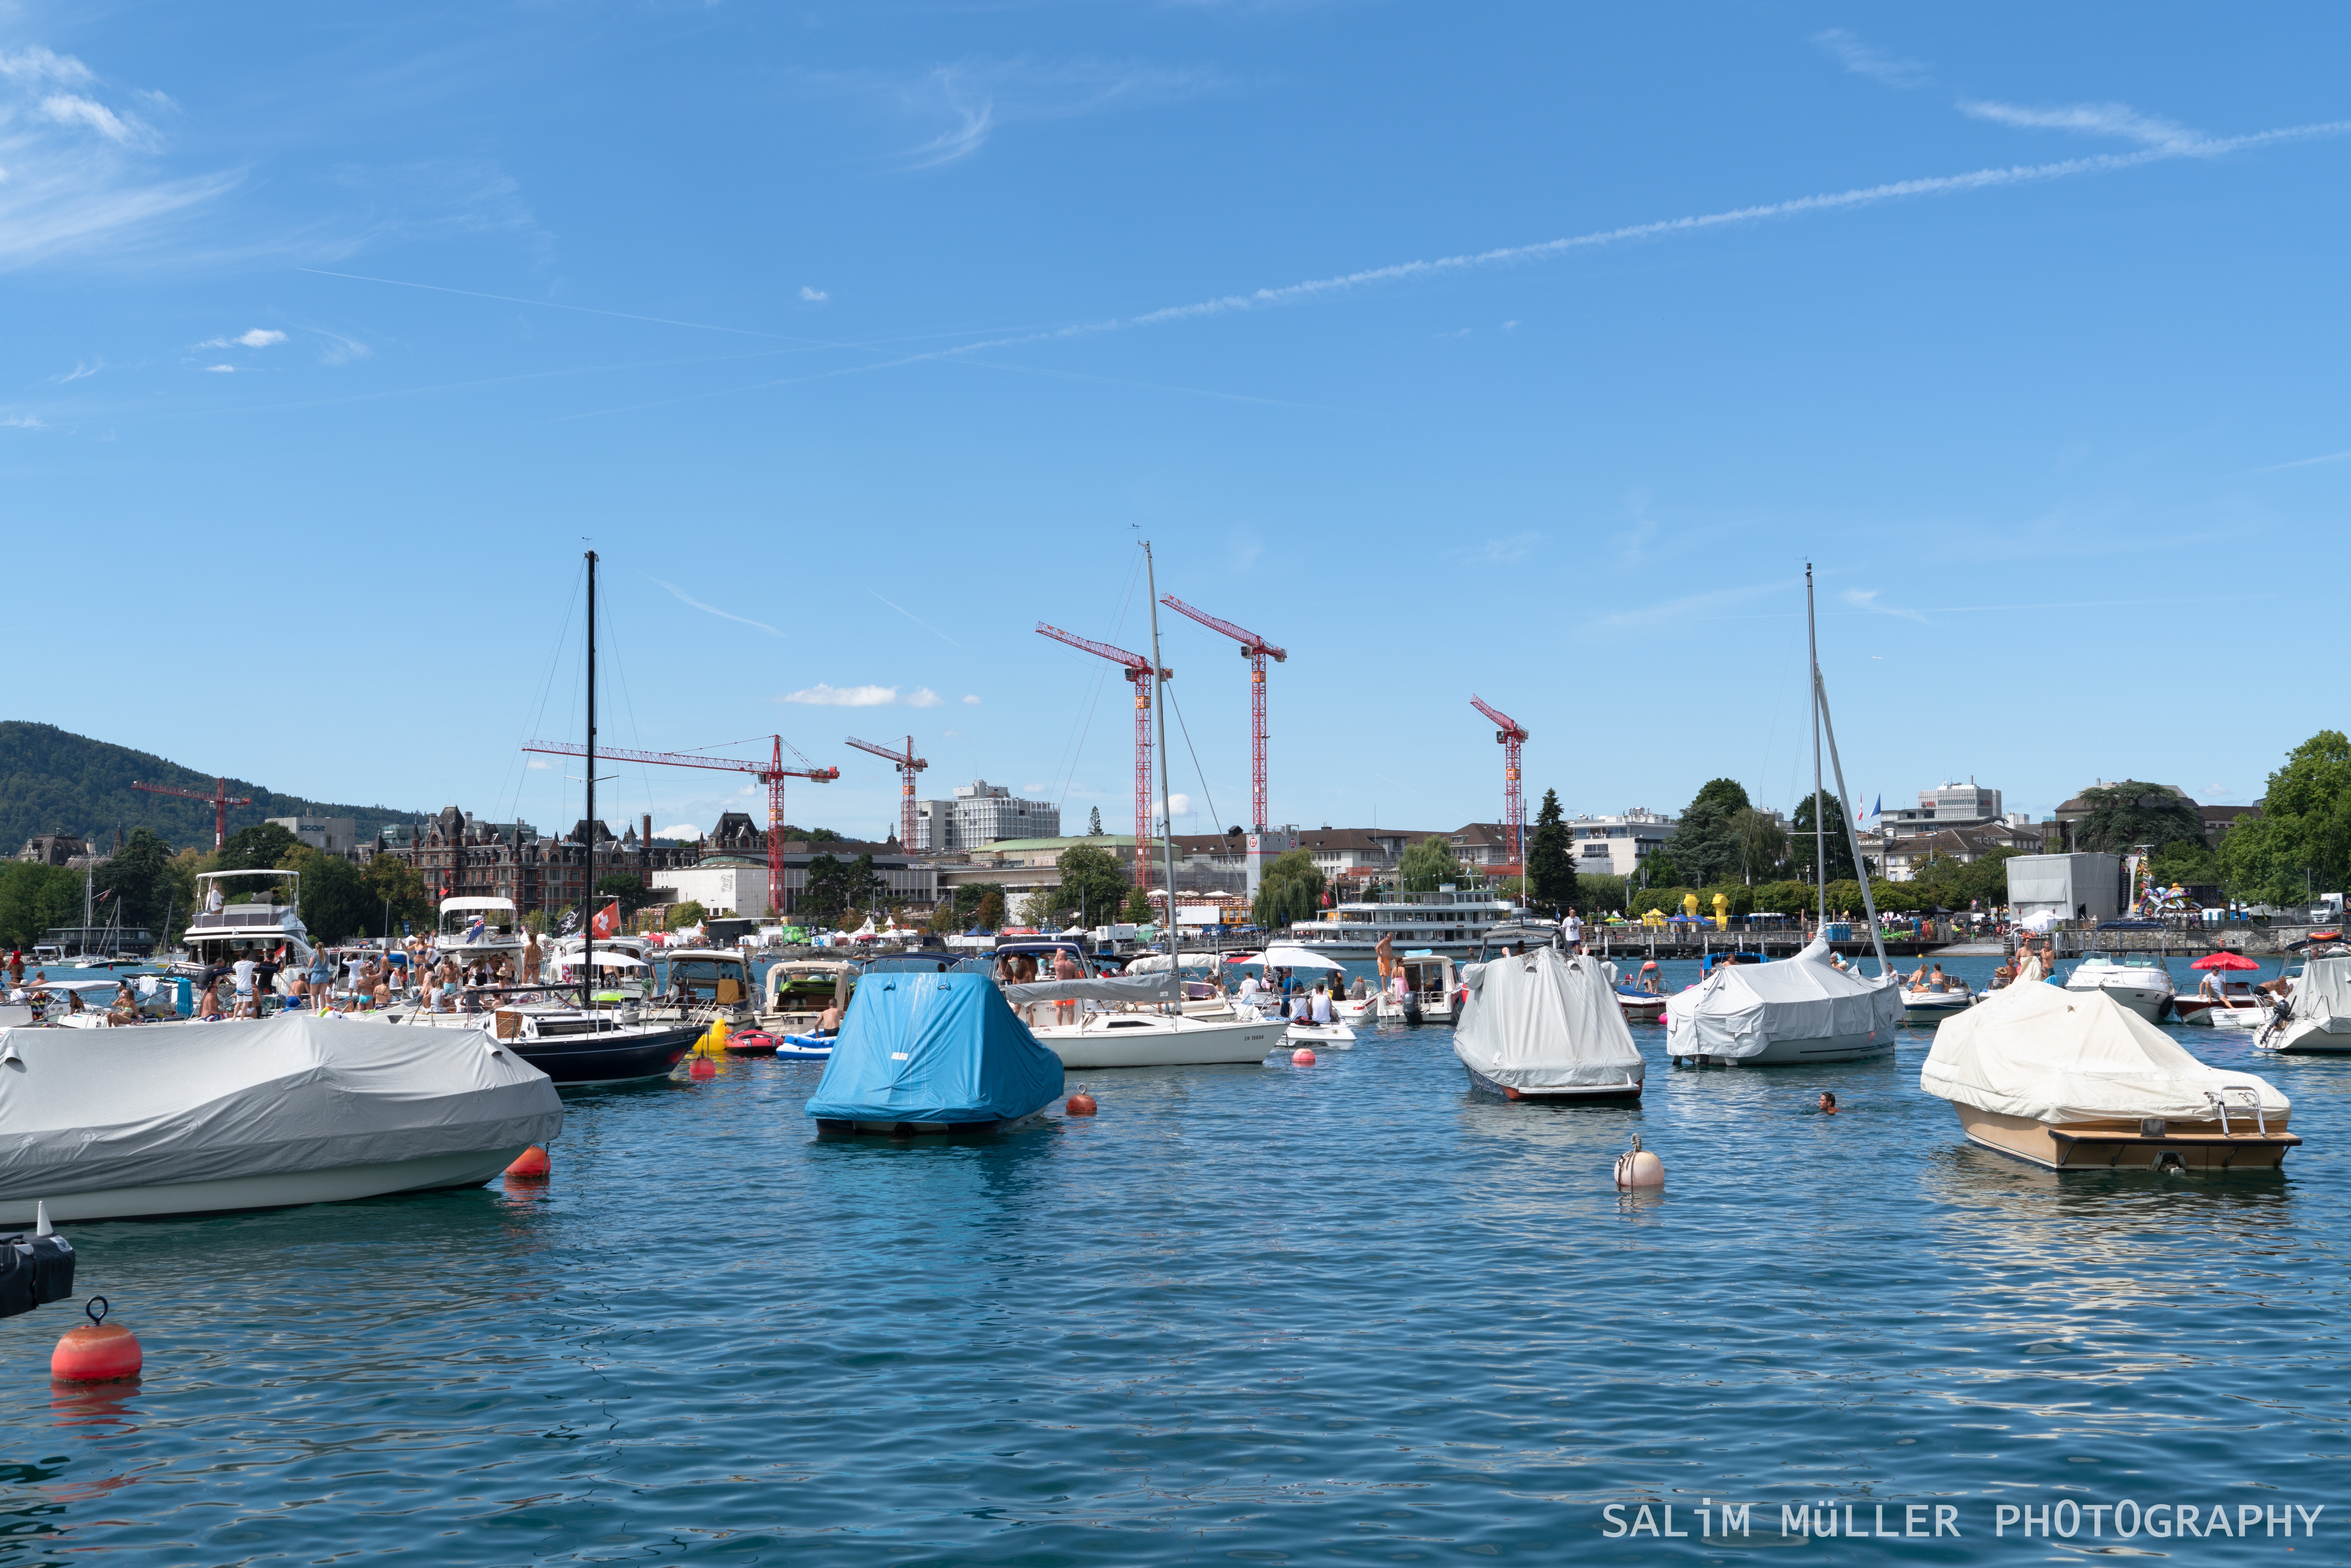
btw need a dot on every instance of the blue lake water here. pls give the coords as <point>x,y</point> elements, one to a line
<point>1346,1313</point>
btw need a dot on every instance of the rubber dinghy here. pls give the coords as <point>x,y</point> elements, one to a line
<point>932,1053</point>
<point>1772,1015</point>
<point>2076,1081</point>
<point>256,1113</point>
<point>1537,1026</point>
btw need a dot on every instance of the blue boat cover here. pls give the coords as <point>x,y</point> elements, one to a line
<point>933,1048</point>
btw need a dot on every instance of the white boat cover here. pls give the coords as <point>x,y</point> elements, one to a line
<point>1742,1009</point>
<point>1539,1021</point>
<point>2322,995</point>
<point>1151,963</point>
<point>1166,986</point>
<point>2047,1054</point>
<point>92,1111</point>
<point>1291,956</point>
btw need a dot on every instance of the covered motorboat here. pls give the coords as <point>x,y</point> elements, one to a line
<point>2076,1081</point>
<point>936,1052</point>
<point>2317,1016</point>
<point>1539,1026</point>
<point>1770,1015</point>
<point>256,1113</point>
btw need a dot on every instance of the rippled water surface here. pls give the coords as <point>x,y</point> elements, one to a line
<point>1257,1315</point>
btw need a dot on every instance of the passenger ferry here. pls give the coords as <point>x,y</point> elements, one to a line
<point>1449,921</point>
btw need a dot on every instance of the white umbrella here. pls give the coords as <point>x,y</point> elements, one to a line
<point>1290,955</point>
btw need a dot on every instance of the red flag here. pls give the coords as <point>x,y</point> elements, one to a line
<point>607,920</point>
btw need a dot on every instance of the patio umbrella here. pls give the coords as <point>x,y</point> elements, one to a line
<point>2224,961</point>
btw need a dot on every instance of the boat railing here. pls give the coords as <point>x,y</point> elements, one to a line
<point>241,916</point>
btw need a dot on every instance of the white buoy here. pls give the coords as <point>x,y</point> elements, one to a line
<point>1639,1167</point>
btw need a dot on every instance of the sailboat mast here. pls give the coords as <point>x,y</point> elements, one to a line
<point>587,931</point>
<point>1166,810</point>
<point>1819,825</point>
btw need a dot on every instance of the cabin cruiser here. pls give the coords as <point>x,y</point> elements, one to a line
<point>1801,1009</point>
<point>705,984</point>
<point>1134,1020</point>
<point>257,1114</point>
<point>244,915</point>
<point>474,929</point>
<point>2072,1080</point>
<point>1539,1025</point>
<point>2138,981</point>
<point>933,1052</point>
<point>1448,921</point>
<point>794,994</point>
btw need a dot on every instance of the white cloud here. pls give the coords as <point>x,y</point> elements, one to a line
<point>972,99</point>
<point>22,422</point>
<point>1866,60</point>
<point>713,610</point>
<point>1866,599</point>
<point>81,371</point>
<point>681,830</point>
<point>222,370</point>
<point>339,350</point>
<point>971,699</point>
<point>1179,801</point>
<point>262,338</point>
<point>37,64</point>
<point>2115,119</point>
<point>538,762</point>
<point>813,296</point>
<point>1501,551</point>
<point>71,109</point>
<point>924,697</point>
<point>822,696</point>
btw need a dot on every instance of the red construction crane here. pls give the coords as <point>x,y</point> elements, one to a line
<point>908,765</point>
<point>1511,735</point>
<point>1138,670</point>
<point>1256,650</point>
<point>772,773</point>
<point>220,798</point>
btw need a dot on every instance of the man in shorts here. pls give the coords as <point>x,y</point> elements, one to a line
<point>243,969</point>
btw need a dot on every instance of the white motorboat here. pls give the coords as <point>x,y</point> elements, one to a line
<point>1803,1010</point>
<point>1538,1024</point>
<point>1158,1040</point>
<point>2316,1018</point>
<point>2076,1081</point>
<point>265,920</point>
<point>1930,1005</point>
<point>2138,981</point>
<point>200,1118</point>
<point>1299,1031</point>
<point>471,930</point>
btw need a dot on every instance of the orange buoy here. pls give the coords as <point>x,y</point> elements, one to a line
<point>703,1068</point>
<point>1080,1104</point>
<point>1301,1057</point>
<point>531,1162</point>
<point>98,1352</point>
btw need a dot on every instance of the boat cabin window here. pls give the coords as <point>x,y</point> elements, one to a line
<point>496,922</point>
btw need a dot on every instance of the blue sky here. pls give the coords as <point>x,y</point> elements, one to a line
<point>1525,350</point>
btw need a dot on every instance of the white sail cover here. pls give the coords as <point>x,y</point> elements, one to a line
<point>94,1109</point>
<point>1742,1009</point>
<point>2322,995</point>
<point>2047,1054</point>
<point>1540,1021</point>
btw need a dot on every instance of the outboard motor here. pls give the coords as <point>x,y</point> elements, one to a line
<point>35,1270</point>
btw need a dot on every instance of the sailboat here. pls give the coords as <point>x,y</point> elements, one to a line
<point>1808,1008</point>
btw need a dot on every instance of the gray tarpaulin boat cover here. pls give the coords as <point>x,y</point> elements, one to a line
<point>1167,986</point>
<point>2323,996</point>
<point>1742,1009</point>
<point>2047,1054</point>
<point>92,1110</point>
<point>1538,1020</point>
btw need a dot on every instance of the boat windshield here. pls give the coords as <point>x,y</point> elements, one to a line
<point>496,922</point>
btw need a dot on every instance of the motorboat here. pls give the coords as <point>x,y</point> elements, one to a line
<point>795,993</point>
<point>2316,1019</point>
<point>1639,999</point>
<point>2075,1081</point>
<point>571,1045</point>
<point>2138,981</point>
<point>1539,1025</point>
<point>705,984</point>
<point>474,930</point>
<point>1429,984</point>
<point>2225,1004</point>
<point>1135,1020</point>
<point>201,1118</point>
<point>1300,1032</point>
<point>244,915</point>
<point>933,1052</point>
<point>1799,1009</point>
<point>1930,1004</point>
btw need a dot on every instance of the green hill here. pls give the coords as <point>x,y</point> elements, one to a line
<point>50,780</point>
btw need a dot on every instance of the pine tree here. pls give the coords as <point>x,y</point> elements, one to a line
<point>1093,824</point>
<point>1550,862</point>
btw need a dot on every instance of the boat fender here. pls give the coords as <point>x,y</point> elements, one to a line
<point>98,1352</point>
<point>703,1068</point>
<point>1080,1104</point>
<point>1301,1057</point>
<point>1639,1167</point>
<point>531,1162</point>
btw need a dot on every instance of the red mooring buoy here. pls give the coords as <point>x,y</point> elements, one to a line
<point>703,1068</point>
<point>1301,1057</point>
<point>98,1351</point>
<point>531,1162</point>
<point>1080,1104</point>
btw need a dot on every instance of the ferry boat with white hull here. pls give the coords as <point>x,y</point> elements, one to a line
<point>1450,922</point>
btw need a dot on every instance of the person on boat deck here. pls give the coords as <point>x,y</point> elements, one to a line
<point>1918,978</point>
<point>15,965</point>
<point>322,975</point>
<point>126,1006</point>
<point>1573,930</point>
<point>1359,990</point>
<point>1398,985</point>
<point>532,957</point>
<point>828,1021</point>
<point>208,1001</point>
<point>244,966</point>
<point>1938,981</point>
<point>1250,990</point>
<point>1322,1005</point>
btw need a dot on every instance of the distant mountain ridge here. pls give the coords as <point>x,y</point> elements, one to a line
<point>51,781</point>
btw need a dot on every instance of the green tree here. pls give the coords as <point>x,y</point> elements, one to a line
<point>838,890</point>
<point>1659,871</point>
<point>1550,858</point>
<point>33,898</point>
<point>1422,868</point>
<point>391,880</point>
<point>1840,847</point>
<point>1093,823</point>
<point>2130,813</point>
<point>625,888</point>
<point>989,913</point>
<point>1138,910</point>
<point>1292,889</point>
<point>1093,883</point>
<point>2301,843</point>
<point>138,881</point>
<point>1762,844</point>
<point>259,848</point>
<point>335,902</point>
<point>1705,840</point>
<point>682,915</point>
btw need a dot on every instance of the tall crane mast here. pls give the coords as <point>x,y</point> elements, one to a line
<point>1257,650</point>
<point>1138,671</point>
<point>220,800</point>
<point>908,765</point>
<point>1510,736</point>
<point>772,773</point>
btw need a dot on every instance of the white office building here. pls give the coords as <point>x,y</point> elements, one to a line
<point>336,835</point>
<point>1944,807</point>
<point>980,814</point>
<point>1615,846</point>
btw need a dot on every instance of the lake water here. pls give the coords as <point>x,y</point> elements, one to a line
<point>1346,1313</point>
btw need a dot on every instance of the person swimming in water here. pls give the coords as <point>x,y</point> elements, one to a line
<point>1828,1106</point>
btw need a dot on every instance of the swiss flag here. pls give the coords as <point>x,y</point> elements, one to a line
<point>607,920</point>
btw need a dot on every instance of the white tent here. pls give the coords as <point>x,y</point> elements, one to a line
<point>2048,1054</point>
<point>1802,1007</point>
<point>1541,1023</point>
